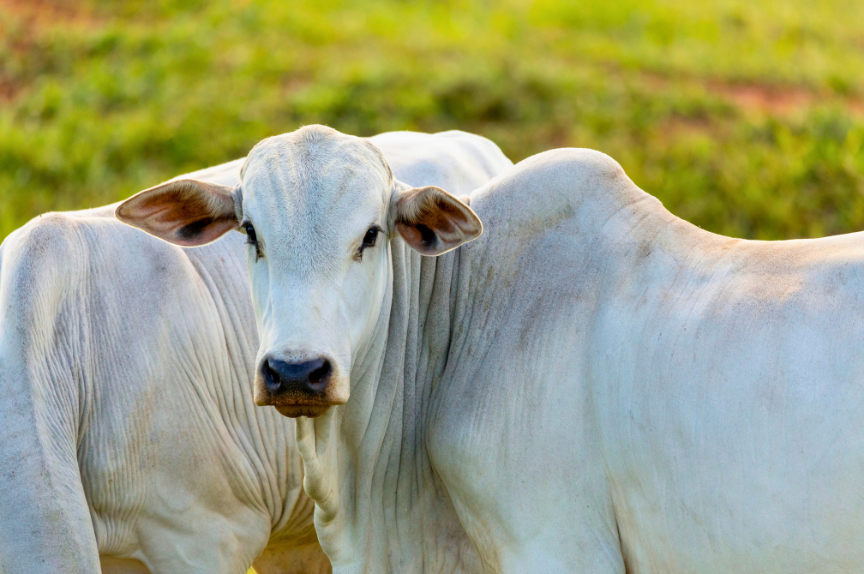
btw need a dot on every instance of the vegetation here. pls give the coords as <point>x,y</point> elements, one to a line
<point>746,118</point>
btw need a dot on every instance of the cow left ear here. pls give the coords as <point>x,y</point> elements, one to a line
<point>433,222</point>
<point>184,212</point>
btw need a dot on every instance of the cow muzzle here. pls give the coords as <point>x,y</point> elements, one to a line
<point>296,389</point>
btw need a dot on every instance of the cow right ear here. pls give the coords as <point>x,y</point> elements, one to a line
<point>184,212</point>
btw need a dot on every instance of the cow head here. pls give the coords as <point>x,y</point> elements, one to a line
<point>318,209</point>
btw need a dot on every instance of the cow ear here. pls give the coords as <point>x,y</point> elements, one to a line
<point>184,212</point>
<point>433,222</point>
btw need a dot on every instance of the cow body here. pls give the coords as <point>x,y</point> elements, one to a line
<point>656,398</point>
<point>129,432</point>
<point>593,385</point>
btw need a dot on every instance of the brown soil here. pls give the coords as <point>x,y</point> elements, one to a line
<point>759,98</point>
<point>780,101</point>
<point>43,11</point>
<point>25,17</point>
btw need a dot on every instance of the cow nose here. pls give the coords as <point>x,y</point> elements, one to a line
<point>310,376</point>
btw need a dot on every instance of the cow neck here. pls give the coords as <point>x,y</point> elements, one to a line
<point>378,501</point>
<point>270,471</point>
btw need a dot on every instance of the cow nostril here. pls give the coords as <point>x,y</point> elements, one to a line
<point>272,378</point>
<point>320,373</point>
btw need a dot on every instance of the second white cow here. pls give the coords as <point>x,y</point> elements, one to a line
<point>128,434</point>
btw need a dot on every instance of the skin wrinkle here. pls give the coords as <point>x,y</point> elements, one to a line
<point>228,405</point>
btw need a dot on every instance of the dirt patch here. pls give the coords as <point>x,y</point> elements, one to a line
<point>753,97</point>
<point>750,98</point>
<point>780,101</point>
<point>47,11</point>
<point>681,127</point>
<point>8,89</point>
<point>764,99</point>
<point>20,23</point>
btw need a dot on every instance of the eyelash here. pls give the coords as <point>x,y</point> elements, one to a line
<point>252,239</point>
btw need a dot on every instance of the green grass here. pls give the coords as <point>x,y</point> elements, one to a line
<point>744,117</point>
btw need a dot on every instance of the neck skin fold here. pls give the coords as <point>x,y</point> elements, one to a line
<point>372,451</point>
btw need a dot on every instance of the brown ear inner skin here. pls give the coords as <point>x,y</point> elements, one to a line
<point>432,222</point>
<point>420,238</point>
<point>186,213</point>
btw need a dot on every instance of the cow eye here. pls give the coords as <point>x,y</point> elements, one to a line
<point>252,239</point>
<point>369,240</point>
<point>370,237</point>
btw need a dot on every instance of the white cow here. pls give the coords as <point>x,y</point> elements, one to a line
<point>128,431</point>
<point>128,428</point>
<point>594,385</point>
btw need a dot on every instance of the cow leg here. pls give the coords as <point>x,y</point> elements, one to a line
<point>309,559</point>
<point>45,524</point>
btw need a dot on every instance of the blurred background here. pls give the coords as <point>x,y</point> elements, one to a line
<point>745,117</point>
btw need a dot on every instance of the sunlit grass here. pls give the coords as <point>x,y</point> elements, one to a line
<point>743,117</point>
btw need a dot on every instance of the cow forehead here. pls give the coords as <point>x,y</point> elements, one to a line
<point>315,173</point>
<point>311,191</point>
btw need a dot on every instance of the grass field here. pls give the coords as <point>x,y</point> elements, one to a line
<point>745,117</point>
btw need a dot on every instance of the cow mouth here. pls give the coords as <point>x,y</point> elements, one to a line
<point>294,411</point>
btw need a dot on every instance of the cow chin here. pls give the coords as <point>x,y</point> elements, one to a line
<point>294,411</point>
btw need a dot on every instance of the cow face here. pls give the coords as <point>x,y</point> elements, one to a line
<point>318,209</point>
